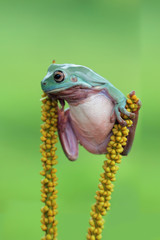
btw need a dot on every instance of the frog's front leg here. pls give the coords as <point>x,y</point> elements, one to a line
<point>120,103</point>
<point>67,136</point>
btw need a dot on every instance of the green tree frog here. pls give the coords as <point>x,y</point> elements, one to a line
<point>95,105</point>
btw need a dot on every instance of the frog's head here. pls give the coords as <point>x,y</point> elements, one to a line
<point>64,76</point>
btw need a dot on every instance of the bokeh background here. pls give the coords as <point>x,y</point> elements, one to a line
<point>120,41</point>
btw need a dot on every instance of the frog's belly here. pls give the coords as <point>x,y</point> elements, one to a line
<point>91,119</point>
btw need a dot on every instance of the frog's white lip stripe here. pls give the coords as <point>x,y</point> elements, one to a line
<point>97,87</point>
<point>56,90</point>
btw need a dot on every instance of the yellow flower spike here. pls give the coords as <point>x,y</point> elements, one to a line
<point>114,149</point>
<point>49,138</point>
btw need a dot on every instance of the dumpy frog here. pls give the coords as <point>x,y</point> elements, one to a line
<point>95,105</point>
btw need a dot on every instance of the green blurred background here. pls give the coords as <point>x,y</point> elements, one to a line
<point>120,41</point>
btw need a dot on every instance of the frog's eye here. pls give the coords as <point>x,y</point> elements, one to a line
<point>58,76</point>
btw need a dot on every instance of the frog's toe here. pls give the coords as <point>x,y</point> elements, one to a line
<point>139,103</point>
<point>128,114</point>
<point>119,118</point>
<point>132,93</point>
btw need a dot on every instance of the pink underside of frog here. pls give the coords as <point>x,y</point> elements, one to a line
<point>91,122</point>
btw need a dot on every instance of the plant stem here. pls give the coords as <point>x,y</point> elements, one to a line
<point>49,160</point>
<point>114,149</point>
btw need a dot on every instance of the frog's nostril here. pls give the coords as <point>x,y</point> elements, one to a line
<point>44,83</point>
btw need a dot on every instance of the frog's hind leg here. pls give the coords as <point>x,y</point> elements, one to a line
<point>67,136</point>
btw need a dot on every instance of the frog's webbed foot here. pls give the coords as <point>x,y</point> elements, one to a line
<point>67,136</point>
<point>120,108</point>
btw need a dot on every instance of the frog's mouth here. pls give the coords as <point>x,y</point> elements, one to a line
<point>74,94</point>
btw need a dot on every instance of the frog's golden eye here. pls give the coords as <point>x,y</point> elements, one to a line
<point>58,76</point>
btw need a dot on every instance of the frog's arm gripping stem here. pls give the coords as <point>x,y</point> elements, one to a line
<point>120,103</point>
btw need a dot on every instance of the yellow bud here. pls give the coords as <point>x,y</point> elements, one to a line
<point>50,212</point>
<point>48,167</point>
<point>99,237</point>
<point>50,184</point>
<point>112,163</point>
<point>118,139</point>
<point>101,199</point>
<point>49,203</point>
<point>92,237</point>
<point>113,156</point>
<point>107,204</point>
<point>108,193</point>
<point>118,161</point>
<point>113,138</point>
<point>46,190</point>
<point>43,199</point>
<point>43,227</point>
<point>113,168</point>
<point>50,189</point>
<point>48,237</point>
<point>108,156</point>
<point>48,146</point>
<point>51,230</point>
<point>113,179</point>
<point>48,162</point>
<point>107,169</point>
<point>109,175</point>
<point>42,220</point>
<point>99,223</point>
<point>42,173</point>
<point>43,159</point>
<point>91,222</point>
<point>50,219</point>
<point>43,139</point>
<point>54,170</point>
<point>120,150</point>
<point>45,180</point>
<point>129,101</point>
<point>91,229</point>
<point>45,209</point>
<point>119,134</point>
<point>125,133</point>
<point>108,198</point>
<point>109,187</point>
<point>44,154</point>
<point>103,213</point>
<point>55,223</point>
<point>113,151</point>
